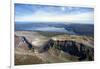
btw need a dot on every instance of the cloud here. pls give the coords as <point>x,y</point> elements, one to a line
<point>39,16</point>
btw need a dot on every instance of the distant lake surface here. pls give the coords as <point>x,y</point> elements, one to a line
<point>69,28</point>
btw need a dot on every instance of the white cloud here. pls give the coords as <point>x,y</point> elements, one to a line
<point>43,17</point>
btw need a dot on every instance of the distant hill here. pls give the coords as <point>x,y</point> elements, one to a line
<point>81,29</point>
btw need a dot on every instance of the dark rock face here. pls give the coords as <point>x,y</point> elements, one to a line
<point>45,47</point>
<point>29,44</point>
<point>22,42</point>
<point>71,47</point>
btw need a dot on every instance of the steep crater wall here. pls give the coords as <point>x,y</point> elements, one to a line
<point>68,46</point>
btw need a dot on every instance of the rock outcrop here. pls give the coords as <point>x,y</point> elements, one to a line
<point>73,48</point>
<point>79,48</point>
<point>22,42</point>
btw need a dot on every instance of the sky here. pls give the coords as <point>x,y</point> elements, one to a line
<point>46,13</point>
